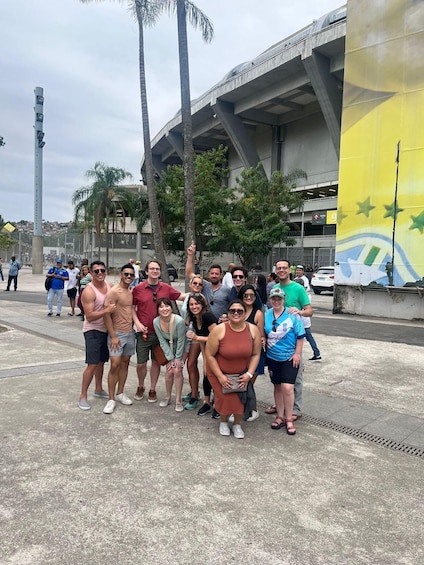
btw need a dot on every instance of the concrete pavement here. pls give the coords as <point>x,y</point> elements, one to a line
<point>149,485</point>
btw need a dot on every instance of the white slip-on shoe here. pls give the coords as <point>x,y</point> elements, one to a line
<point>224,429</point>
<point>238,432</point>
<point>110,407</point>
<point>123,399</point>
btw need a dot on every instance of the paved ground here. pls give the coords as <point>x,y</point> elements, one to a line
<point>148,485</point>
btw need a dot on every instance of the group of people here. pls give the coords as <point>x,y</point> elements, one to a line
<point>229,325</point>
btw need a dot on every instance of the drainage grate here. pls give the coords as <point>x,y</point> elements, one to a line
<point>364,436</point>
<point>381,441</point>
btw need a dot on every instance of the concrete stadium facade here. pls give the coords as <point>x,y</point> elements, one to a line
<point>282,109</point>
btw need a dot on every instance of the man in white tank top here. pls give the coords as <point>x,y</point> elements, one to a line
<point>95,332</point>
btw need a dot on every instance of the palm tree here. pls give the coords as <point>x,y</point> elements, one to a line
<point>186,9</point>
<point>100,202</point>
<point>147,12</point>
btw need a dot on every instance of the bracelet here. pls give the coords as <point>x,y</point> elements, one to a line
<point>249,374</point>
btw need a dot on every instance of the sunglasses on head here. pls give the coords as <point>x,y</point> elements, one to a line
<point>99,271</point>
<point>238,277</point>
<point>239,311</point>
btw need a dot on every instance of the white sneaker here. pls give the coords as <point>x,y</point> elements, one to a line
<point>238,432</point>
<point>231,419</point>
<point>224,429</point>
<point>123,399</point>
<point>165,402</point>
<point>253,417</point>
<point>110,407</point>
<point>179,407</point>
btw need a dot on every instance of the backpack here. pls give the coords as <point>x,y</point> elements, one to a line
<point>48,283</point>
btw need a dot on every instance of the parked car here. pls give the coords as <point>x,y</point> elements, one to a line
<point>172,272</point>
<point>323,280</point>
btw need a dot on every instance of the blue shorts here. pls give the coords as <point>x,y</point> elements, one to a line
<point>96,347</point>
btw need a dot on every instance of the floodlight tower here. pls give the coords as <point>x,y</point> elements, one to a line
<point>37,239</point>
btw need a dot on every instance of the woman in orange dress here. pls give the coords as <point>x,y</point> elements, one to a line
<point>232,348</point>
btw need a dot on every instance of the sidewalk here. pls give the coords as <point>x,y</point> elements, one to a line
<point>148,485</point>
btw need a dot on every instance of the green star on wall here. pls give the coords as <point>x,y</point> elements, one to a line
<point>392,211</point>
<point>340,216</point>
<point>417,222</point>
<point>365,207</point>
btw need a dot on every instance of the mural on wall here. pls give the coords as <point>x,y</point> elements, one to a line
<point>380,218</point>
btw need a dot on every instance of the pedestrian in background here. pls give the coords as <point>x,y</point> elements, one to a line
<point>14,269</point>
<point>1,269</point>
<point>72,285</point>
<point>58,275</point>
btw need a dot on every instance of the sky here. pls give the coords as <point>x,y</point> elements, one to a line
<point>85,57</point>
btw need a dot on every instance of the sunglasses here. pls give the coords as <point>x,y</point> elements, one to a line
<point>249,295</point>
<point>197,283</point>
<point>99,271</point>
<point>238,276</point>
<point>155,296</point>
<point>274,325</point>
<point>238,311</point>
<point>132,275</point>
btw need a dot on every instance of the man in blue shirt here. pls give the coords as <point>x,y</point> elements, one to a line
<point>58,275</point>
<point>14,269</point>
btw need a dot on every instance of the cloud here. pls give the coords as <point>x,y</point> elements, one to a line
<point>85,57</point>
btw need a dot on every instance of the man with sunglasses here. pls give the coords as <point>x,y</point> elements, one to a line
<point>121,337</point>
<point>298,302</point>
<point>95,332</point>
<point>217,295</point>
<point>145,297</point>
<point>239,277</point>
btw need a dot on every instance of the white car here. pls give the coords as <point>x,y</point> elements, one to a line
<point>322,280</point>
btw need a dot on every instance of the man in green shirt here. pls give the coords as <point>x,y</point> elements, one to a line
<point>298,302</point>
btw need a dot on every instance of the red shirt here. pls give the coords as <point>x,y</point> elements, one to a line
<point>145,299</point>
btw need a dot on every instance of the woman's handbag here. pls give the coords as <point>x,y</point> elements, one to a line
<point>235,385</point>
<point>159,355</point>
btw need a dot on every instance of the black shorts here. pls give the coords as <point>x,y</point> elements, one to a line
<point>282,372</point>
<point>96,350</point>
<point>72,292</point>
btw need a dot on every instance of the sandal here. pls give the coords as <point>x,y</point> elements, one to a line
<point>278,423</point>
<point>290,429</point>
<point>271,409</point>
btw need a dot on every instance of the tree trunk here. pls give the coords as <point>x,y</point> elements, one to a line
<point>188,152</point>
<point>150,181</point>
<point>107,238</point>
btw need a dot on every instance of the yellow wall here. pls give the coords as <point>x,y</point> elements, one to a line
<point>383,105</point>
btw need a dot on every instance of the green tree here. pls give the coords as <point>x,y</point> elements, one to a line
<point>210,196</point>
<point>259,214</point>
<point>146,13</point>
<point>99,203</point>
<point>188,10</point>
